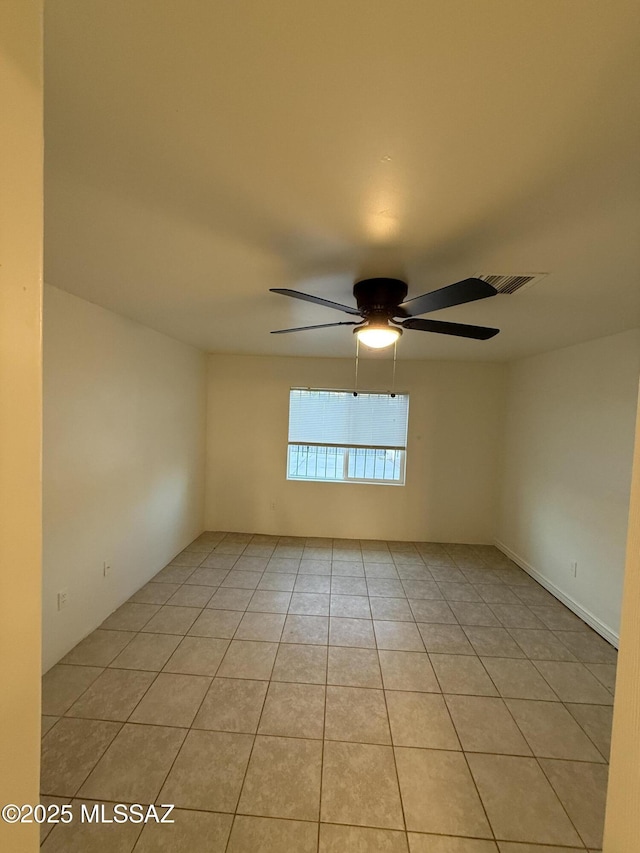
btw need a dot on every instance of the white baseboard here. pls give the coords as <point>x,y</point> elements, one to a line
<point>604,630</point>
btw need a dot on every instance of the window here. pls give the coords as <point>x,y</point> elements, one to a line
<point>341,437</point>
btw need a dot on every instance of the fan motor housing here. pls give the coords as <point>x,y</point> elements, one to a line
<point>379,296</point>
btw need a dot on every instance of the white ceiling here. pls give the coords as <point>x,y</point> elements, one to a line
<point>199,153</point>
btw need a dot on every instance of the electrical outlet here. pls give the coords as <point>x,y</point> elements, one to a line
<point>106,569</point>
<point>63,598</point>
<point>574,568</point>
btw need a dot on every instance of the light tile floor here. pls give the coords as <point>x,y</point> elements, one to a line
<point>294,696</point>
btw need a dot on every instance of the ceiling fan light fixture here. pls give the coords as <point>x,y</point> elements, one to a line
<point>377,336</point>
<point>384,314</point>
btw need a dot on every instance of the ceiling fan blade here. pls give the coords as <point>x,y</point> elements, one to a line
<point>461,330</point>
<point>467,290</point>
<point>321,326</point>
<point>315,299</point>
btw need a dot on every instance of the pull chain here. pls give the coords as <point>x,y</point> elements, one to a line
<point>355,391</point>
<point>393,380</point>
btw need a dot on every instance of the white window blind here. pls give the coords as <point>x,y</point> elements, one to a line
<point>370,419</point>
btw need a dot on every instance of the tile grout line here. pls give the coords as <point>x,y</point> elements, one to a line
<point>324,728</point>
<point>564,705</point>
<point>341,740</point>
<point>564,809</point>
<point>189,729</point>
<point>539,763</point>
<point>582,728</point>
<point>335,645</point>
<point>543,845</point>
<point>393,752</point>
<point>464,755</point>
<point>246,769</point>
<point>75,796</point>
<point>534,756</point>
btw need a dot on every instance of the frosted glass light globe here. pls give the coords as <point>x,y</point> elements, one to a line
<point>378,337</point>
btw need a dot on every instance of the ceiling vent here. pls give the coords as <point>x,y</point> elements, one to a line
<point>512,283</point>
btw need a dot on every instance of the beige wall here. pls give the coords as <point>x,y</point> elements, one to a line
<point>124,425</point>
<point>455,417</point>
<point>622,824</point>
<point>567,472</point>
<point>20,409</point>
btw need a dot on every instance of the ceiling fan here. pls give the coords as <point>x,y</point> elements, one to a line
<point>384,313</point>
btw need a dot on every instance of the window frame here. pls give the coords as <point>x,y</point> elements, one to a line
<point>346,478</point>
